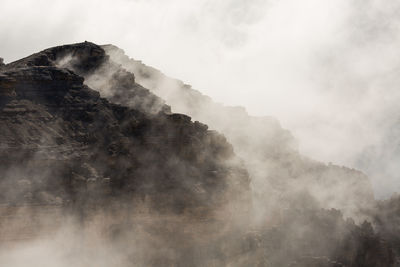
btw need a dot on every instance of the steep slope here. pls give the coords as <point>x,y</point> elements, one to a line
<point>270,153</point>
<point>147,187</point>
<point>59,138</point>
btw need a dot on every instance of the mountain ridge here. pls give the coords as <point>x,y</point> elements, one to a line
<point>260,141</point>
<point>79,134</point>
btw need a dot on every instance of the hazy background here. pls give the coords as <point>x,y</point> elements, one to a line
<point>328,70</point>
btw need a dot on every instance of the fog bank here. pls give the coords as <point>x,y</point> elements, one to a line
<point>326,70</point>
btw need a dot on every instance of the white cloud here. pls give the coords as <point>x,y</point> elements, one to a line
<point>326,69</point>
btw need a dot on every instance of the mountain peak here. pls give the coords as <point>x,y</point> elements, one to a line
<point>93,135</point>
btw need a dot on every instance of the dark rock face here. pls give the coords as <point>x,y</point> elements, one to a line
<point>79,134</point>
<point>386,218</point>
<point>83,57</point>
<point>324,238</point>
<point>268,150</point>
<point>61,137</point>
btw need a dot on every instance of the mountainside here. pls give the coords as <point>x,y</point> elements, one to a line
<point>60,141</point>
<point>269,151</point>
<point>84,145</point>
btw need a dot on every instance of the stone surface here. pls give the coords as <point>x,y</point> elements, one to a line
<point>54,128</point>
<point>80,136</point>
<point>269,151</point>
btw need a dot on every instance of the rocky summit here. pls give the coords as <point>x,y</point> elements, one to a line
<point>64,140</point>
<point>89,135</point>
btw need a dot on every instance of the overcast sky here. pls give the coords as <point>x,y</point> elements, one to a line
<point>328,70</point>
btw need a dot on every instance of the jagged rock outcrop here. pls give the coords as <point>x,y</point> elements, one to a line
<point>90,61</point>
<point>270,152</point>
<point>386,219</point>
<point>79,134</point>
<point>64,140</point>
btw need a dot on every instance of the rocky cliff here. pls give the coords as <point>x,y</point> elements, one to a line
<point>270,152</point>
<point>60,139</point>
<point>81,137</point>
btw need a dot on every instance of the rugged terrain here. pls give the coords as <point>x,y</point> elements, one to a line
<point>88,135</point>
<point>269,151</point>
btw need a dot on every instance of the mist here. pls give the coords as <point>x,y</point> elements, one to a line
<point>326,70</point>
<point>229,133</point>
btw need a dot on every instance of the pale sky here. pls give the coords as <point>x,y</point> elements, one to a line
<point>327,70</point>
